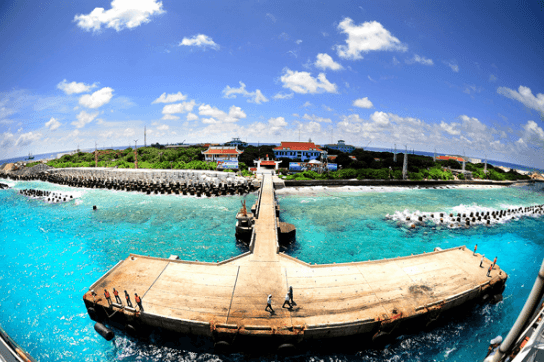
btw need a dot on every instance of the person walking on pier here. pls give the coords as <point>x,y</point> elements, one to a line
<point>482,261</point>
<point>291,296</point>
<point>269,304</point>
<point>107,295</point>
<point>475,248</point>
<point>127,297</point>
<point>489,270</point>
<point>117,298</point>
<point>286,301</point>
<point>138,301</point>
<point>494,262</point>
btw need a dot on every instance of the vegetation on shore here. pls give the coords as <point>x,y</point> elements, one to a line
<point>380,165</point>
<point>368,164</point>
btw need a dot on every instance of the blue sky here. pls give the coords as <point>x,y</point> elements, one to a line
<point>459,77</point>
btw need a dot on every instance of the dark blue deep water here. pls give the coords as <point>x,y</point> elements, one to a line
<point>51,253</point>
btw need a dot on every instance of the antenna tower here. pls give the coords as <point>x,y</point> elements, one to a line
<point>405,164</point>
<point>395,154</point>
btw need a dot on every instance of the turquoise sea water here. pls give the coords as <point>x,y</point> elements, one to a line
<point>51,253</point>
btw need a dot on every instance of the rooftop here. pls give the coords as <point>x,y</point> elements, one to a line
<point>222,150</point>
<point>297,146</point>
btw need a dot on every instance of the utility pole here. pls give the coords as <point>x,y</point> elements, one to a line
<point>405,164</point>
<point>395,154</point>
<point>135,154</point>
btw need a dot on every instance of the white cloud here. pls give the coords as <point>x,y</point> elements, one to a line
<point>52,124</point>
<point>453,65</point>
<point>533,133</point>
<point>450,128</point>
<point>170,117</point>
<point>471,89</point>
<point>129,132</point>
<point>277,122</point>
<point>298,41</point>
<point>209,121</point>
<point>83,118</point>
<point>201,41</point>
<point>254,97</point>
<point>97,99</point>
<point>170,98</point>
<point>281,95</point>
<point>420,60</point>
<point>7,141</point>
<point>73,134</point>
<point>315,118</point>
<point>163,127</point>
<point>525,96</point>
<point>27,138</point>
<point>325,61</point>
<point>271,17</point>
<point>123,14</point>
<point>395,61</point>
<point>73,87</point>
<point>492,78</point>
<point>303,82</point>
<point>363,103</point>
<point>183,107</point>
<point>327,108</point>
<point>192,117</point>
<point>380,118</point>
<point>217,115</point>
<point>307,104</point>
<point>366,37</point>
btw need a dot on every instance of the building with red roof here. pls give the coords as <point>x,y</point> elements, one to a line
<point>304,151</point>
<point>445,158</point>
<point>222,153</point>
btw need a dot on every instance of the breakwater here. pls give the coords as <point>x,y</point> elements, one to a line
<point>475,216</point>
<point>186,182</point>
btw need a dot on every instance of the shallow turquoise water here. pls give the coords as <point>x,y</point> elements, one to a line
<point>51,253</point>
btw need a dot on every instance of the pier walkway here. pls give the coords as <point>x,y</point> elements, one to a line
<point>229,298</point>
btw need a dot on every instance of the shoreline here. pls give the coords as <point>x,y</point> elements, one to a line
<point>305,190</point>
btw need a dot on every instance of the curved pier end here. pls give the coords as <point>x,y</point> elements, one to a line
<point>226,301</point>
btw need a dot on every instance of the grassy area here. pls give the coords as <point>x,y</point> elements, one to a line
<point>189,158</point>
<point>380,165</point>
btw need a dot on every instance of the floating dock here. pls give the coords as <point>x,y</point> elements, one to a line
<point>226,301</point>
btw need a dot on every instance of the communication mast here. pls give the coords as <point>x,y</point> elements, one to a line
<point>395,154</point>
<point>405,164</point>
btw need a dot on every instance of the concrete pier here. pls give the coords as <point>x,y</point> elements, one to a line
<point>226,301</point>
